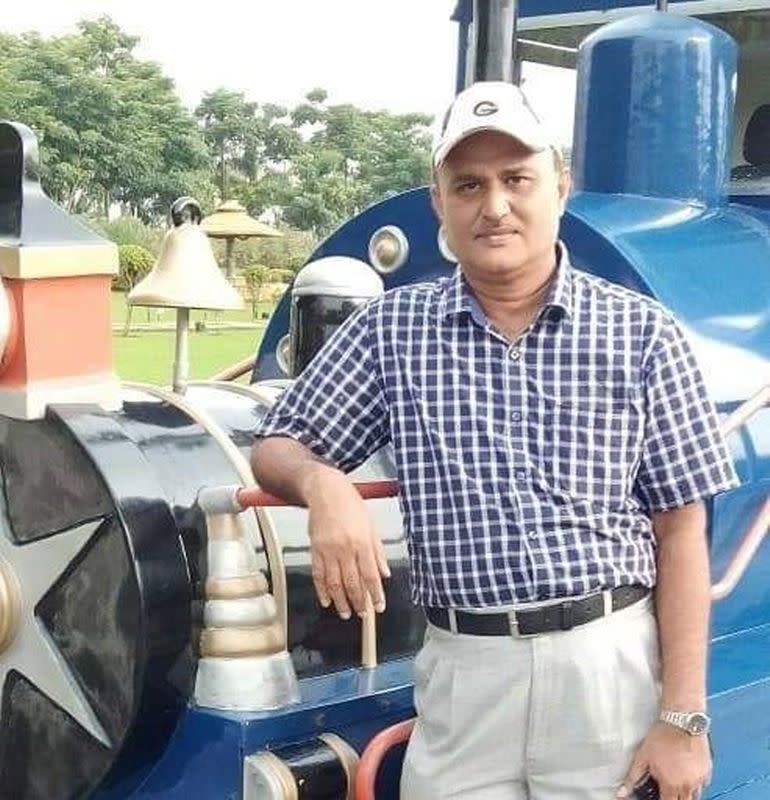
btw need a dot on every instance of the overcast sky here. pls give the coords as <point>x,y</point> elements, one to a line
<point>392,54</point>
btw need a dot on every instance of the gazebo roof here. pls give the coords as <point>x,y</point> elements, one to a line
<point>230,220</point>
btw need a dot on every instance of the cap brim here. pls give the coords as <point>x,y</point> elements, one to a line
<point>442,151</point>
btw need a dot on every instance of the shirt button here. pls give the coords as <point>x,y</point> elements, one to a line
<point>521,475</point>
<point>532,534</point>
<point>516,416</point>
<point>516,354</point>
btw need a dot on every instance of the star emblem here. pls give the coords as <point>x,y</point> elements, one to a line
<point>32,651</point>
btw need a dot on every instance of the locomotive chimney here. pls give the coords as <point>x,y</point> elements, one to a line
<point>654,107</point>
<point>490,53</point>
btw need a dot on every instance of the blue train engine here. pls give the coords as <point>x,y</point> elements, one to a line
<point>159,632</point>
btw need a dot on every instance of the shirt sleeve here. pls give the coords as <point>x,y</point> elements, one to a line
<point>336,407</point>
<point>684,456</point>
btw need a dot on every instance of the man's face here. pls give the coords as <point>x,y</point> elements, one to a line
<point>500,204</point>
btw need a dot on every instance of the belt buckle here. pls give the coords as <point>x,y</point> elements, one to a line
<point>513,624</point>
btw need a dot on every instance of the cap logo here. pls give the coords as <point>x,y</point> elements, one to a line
<point>484,108</point>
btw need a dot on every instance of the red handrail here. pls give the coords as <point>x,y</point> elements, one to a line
<point>371,758</point>
<point>372,490</point>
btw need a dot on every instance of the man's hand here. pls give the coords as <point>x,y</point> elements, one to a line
<point>680,763</point>
<point>348,560</point>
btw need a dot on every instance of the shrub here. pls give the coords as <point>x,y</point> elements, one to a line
<point>255,277</point>
<point>135,262</point>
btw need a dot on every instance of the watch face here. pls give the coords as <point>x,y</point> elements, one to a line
<point>698,724</point>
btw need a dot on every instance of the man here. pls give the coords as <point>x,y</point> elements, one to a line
<point>554,444</point>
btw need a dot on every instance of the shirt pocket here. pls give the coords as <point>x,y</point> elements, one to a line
<point>591,444</point>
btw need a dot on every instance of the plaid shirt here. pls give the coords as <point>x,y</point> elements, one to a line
<point>528,469</point>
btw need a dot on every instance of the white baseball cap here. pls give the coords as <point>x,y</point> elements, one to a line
<point>490,106</point>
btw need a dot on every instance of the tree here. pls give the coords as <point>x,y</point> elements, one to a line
<point>225,117</point>
<point>111,127</point>
<point>352,158</point>
<point>255,278</point>
<point>112,130</point>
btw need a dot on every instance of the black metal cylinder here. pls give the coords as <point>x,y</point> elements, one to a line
<point>318,769</point>
<point>313,320</point>
<point>492,48</point>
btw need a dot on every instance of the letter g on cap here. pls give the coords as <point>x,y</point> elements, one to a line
<point>485,108</point>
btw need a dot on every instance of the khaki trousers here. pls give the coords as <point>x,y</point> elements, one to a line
<point>557,716</point>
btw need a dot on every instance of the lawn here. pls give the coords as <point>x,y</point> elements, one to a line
<point>144,316</point>
<point>149,357</point>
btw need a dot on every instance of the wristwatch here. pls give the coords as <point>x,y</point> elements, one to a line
<point>696,723</point>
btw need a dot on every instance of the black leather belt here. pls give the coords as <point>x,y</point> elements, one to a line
<point>555,617</point>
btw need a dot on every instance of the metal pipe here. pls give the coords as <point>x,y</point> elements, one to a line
<point>374,754</point>
<point>181,358</point>
<point>493,38</point>
<point>744,555</point>
<point>746,411</point>
<point>371,490</point>
<point>235,371</point>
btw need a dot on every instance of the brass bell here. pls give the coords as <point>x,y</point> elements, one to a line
<point>186,274</point>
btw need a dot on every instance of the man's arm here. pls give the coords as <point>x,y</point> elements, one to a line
<point>683,603</point>
<point>330,420</point>
<point>348,560</point>
<point>679,762</point>
<point>684,460</point>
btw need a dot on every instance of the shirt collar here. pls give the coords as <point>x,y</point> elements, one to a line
<point>459,298</point>
<point>560,293</point>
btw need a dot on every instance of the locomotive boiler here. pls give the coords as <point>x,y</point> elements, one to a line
<point>159,633</point>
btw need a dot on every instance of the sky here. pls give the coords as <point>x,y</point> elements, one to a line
<point>397,55</point>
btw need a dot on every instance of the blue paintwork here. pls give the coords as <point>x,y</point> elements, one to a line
<point>622,67</point>
<point>678,252</point>
<point>208,748</point>
<point>414,217</point>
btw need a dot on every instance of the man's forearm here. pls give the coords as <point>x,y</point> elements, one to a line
<point>683,605</point>
<point>288,469</point>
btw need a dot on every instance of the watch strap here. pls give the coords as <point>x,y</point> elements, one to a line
<point>682,719</point>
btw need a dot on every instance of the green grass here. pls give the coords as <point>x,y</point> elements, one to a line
<point>149,357</point>
<point>143,316</point>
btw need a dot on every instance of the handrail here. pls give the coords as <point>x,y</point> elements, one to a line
<point>371,758</point>
<point>746,410</point>
<point>253,391</point>
<point>265,525</point>
<point>371,490</point>
<point>746,550</point>
<point>234,499</point>
<point>760,526</point>
<point>235,371</point>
